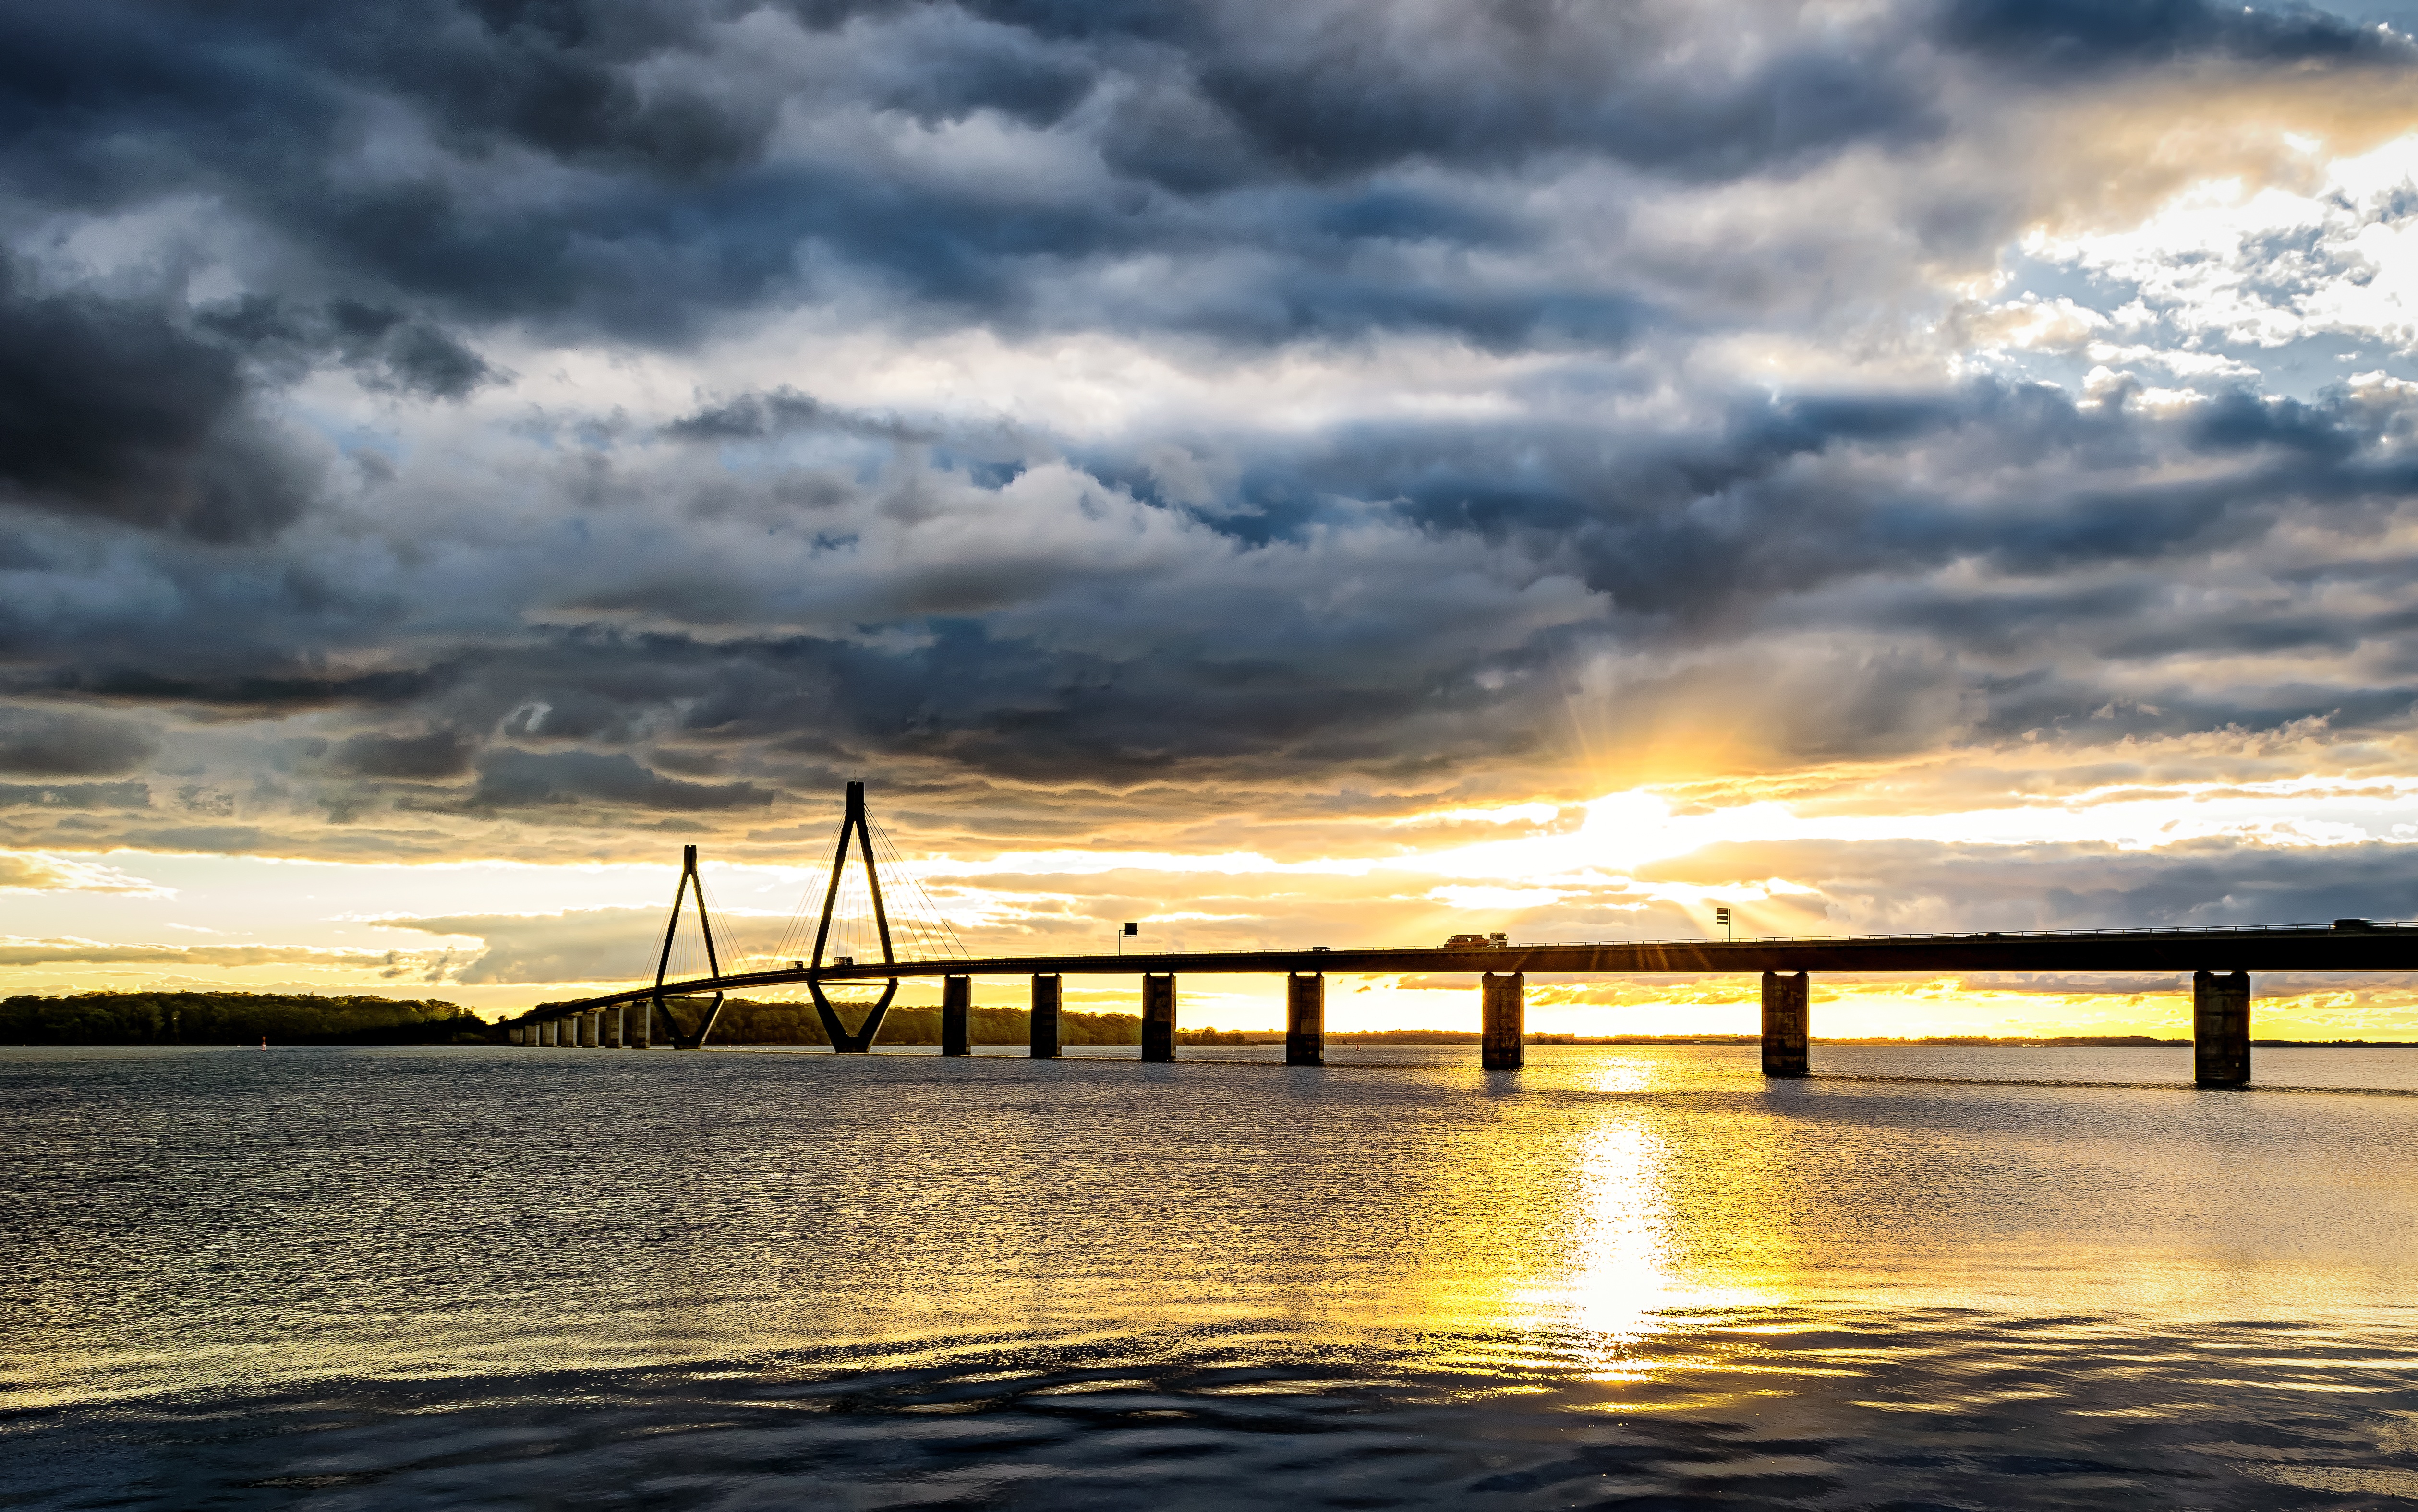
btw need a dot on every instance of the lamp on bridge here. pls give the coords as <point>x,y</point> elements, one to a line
<point>1721,917</point>
<point>1130,930</point>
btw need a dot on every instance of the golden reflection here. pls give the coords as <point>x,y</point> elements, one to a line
<point>1627,1277</point>
<point>1587,1230</point>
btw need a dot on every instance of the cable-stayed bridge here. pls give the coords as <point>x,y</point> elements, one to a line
<point>839,943</point>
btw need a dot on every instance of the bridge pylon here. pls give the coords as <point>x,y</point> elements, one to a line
<point>659,1006</point>
<point>843,1040</point>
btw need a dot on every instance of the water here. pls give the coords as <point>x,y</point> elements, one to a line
<point>1643,1278</point>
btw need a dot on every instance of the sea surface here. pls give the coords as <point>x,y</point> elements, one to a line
<point>1619,1277</point>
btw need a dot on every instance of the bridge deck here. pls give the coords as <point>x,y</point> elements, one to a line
<point>2347,947</point>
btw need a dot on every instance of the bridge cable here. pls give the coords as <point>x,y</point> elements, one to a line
<point>936,938</point>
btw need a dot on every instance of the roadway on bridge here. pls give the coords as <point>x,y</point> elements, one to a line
<point>2348,945</point>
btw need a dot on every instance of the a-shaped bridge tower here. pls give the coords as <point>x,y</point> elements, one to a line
<point>852,826</point>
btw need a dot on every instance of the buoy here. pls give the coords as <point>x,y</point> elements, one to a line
<point>263,1042</point>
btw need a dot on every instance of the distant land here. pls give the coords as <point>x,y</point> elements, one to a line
<point>300,1018</point>
<point>236,1018</point>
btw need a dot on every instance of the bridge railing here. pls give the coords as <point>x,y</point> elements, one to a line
<point>2166,931</point>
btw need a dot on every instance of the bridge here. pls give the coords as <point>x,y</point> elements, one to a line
<point>682,1013</point>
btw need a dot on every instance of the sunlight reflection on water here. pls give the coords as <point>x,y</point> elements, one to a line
<point>364,1278</point>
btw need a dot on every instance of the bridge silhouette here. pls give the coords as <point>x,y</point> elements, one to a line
<point>682,1013</point>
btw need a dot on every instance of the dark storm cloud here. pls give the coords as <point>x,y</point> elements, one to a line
<point>676,206</point>
<point>785,411</point>
<point>252,689</point>
<point>666,195</point>
<point>46,743</point>
<point>2070,35</point>
<point>111,410</point>
<point>524,779</point>
<point>388,349</point>
<point>545,614</point>
<point>435,753</point>
<point>2098,486</point>
<point>1695,542</point>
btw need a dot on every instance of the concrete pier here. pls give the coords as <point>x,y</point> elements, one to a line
<point>621,1027</point>
<point>1045,1016</point>
<point>1305,1019</point>
<point>2221,1029</point>
<point>1784,1016</point>
<point>1503,1043</point>
<point>1159,1018</point>
<point>545,1031</point>
<point>957,1005</point>
<point>646,1026</point>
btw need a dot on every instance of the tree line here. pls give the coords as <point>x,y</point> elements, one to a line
<point>236,1018</point>
<point>745,1021</point>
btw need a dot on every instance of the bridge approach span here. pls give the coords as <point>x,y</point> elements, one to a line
<point>2346,947</point>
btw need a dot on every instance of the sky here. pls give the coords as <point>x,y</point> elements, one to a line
<point>1279,474</point>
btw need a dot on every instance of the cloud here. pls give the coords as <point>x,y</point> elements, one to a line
<point>782,411</point>
<point>435,753</point>
<point>109,410</point>
<point>2065,37</point>
<point>391,351</point>
<point>518,779</point>
<point>1902,886</point>
<point>27,872</point>
<point>74,952</point>
<point>91,795</point>
<point>41,742</point>
<point>581,945</point>
<point>449,430</point>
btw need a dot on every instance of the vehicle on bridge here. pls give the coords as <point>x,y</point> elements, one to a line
<point>1476,941</point>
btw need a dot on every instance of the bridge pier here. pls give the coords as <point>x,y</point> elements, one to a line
<point>1784,1021</point>
<point>1305,1019</point>
<point>1504,1025</point>
<point>1046,992</point>
<point>2221,1029</point>
<point>956,1006</point>
<point>621,1026</point>
<point>646,1026</point>
<point>1159,1018</point>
